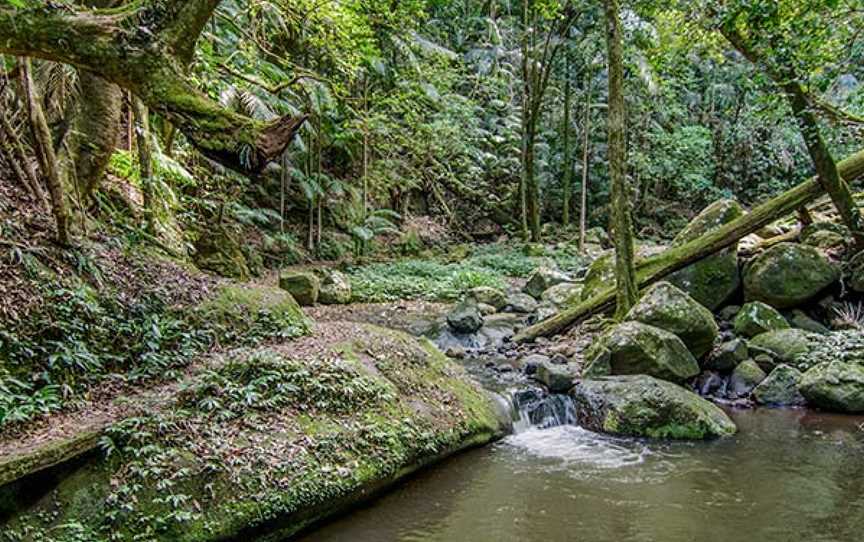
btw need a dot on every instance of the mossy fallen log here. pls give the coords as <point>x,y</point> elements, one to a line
<point>650,270</point>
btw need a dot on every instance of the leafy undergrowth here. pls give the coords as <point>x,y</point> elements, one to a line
<point>83,333</point>
<point>268,436</point>
<point>450,276</point>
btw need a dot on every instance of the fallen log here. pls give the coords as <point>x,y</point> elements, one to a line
<point>650,270</point>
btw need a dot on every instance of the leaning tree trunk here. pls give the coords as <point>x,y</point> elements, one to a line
<point>145,163</point>
<point>652,269</point>
<point>45,152</point>
<point>145,47</point>
<point>622,224</point>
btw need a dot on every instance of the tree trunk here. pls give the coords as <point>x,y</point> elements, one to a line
<point>19,161</point>
<point>586,129</point>
<point>621,223</point>
<point>652,269</point>
<point>152,65</point>
<point>145,163</point>
<point>532,188</point>
<point>568,162</point>
<point>526,110</point>
<point>44,147</point>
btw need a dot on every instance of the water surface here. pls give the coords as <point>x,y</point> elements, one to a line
<point>788,475</point>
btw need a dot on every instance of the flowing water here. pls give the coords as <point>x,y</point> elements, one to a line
<point>788,475</point>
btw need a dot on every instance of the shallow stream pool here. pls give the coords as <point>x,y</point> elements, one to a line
<point>788,475</point>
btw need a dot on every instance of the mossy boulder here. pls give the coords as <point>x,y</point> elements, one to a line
<point>756,318</point>
<point>243,314</point>
<point>335,288</point>
<point>219,251</point>
<point>558,377</point>
<point>746,376</point>
<point>712,280</point>
<point>465,317</point>
<point>563,295</point>
<point>780,388</point>
<point>856,273</point>
<point>637,348</point>
<point>790,346</point>
<point>728,355</point>
<point>600,274</point>
<point>270,442</point>
<point>835,385</point>
<point>520,303</point>
<point>826,235</point>
<point>488,296</point>
<point>788,274</point>
<point>543,278</point>
<point>665,306</point>
<point>303,285</point>
<point>643,406</point>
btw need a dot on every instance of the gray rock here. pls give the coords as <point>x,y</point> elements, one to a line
<point>486,310</point>
<point>563,294</point>
<point>780,388</point>
<point>726,356</point>
<point>835,386</point>
<point>744,378</point>
<point>303,286</point>
<point>465,317</point>
<point>643,406</point>
<point>756,318</point>
<point>789,346</point>
<point>521,303</point>
<point>788,274</point>
<point>728,312</point>
<point>488,296</point>
<point>543,278</point>
<point>558,378</point>
<point>335,288</point>
<point>799,319</point>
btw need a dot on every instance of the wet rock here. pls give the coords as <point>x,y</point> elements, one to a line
<point>335,288</point>
<point>664,306</point>
<point>835,386</point>
<point>746,376</point>
<point>302,285</point>
<point>764,360</point>
<point>789,346</point>
<point>728,312</point>
<point>543,278</point>
<point>488,296</point>
<point>558,378</point>
<point>533,360</point>
<point>465,318</point>
<point>799,319</point>
<point>788,274</point>
<point>710,383</point>
<point>756,318</point>
<point>637,348</point>
<point>643,406</point>
<point>521,303</point>
<point>728,355</point>
<point>712,280</point>
<point>780,388</point>
<point>563,295</point>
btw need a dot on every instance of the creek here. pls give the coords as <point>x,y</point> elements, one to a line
<point>787,475</point>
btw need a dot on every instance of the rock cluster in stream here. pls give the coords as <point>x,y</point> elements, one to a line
<point>760,324</point>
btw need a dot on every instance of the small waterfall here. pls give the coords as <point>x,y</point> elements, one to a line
<point>534,407</point>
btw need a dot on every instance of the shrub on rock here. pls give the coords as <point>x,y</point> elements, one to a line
<point>643,406</point>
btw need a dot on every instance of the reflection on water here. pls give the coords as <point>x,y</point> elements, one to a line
<point>788,475</point>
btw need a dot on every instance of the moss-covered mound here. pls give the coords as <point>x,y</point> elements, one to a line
<point>644,406</point>
<point>788,274</point>
<point>270,442</point>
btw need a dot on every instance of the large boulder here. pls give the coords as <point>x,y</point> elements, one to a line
<point>637,348</point>
<point>665,306</point>
<point>643,406</point>
<point>780,388</point>
<point>543,278</point>
<point>302,285</point>
<point>521,303</point>
<point>488,296</point>
<point>788,274</point>
<point>558,377</point>
<point>712,280</point>
<point>790,346</point>
<point>600,275</point>
<point>335,288</point>
<point>465,317</point>
<point>728,355</point>
<point>835,386</point>
<point>756,318</point>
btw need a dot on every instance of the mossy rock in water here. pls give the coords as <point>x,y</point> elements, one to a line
<point>219,252</point>
<point>304,286</point>
<point>270,442</point>
<point>746,376</point>
<point>665,306</point>
<point>643,406</point>
<point>637,348</point>
<point>244,314</point>
<point>780,388</point>
<point>756,318</point>
<point>790,346</point>
<point>712,280</point>
<point>835,386</point>
<point>788,274</point>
